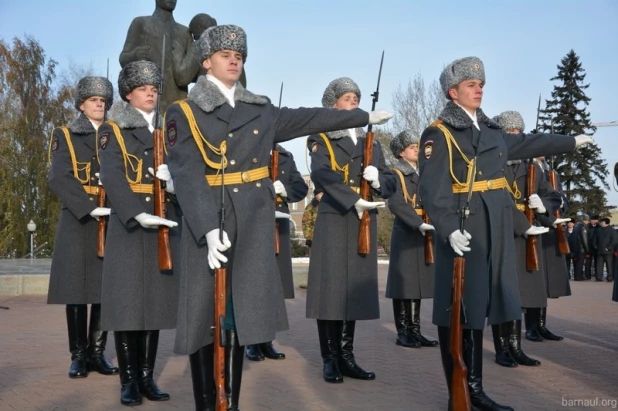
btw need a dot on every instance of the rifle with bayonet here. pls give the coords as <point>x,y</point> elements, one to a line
<point>164,248</point>
<point>274,172</point>
<point>532,255</point>
<point>561,238</point>
<point>460,396</point>
<point>101,197</point>
<point>364,234</point>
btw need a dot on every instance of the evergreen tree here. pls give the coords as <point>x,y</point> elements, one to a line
<point>30,106</point>
<point>582,172</point>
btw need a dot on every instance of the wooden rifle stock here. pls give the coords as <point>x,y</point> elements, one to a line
<point>102,224</point>
<point>532,256</point>
<point>219,343</point>
<point>165,251</point>
<point>274,172</point>
<point>460,396</point>
<point>364,234</point>
<point>563,243</point>
<point>429,258</point>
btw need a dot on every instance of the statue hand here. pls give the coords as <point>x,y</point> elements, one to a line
<point>142,53</point>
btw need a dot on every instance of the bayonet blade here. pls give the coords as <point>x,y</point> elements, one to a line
<point>280,94</point>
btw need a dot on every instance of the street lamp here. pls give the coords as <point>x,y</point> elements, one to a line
<point>32,229</point>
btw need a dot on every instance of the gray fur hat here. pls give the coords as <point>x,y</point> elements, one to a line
<point>92,86</point>
<point>137,74</point>
<point>401,141</point>
<point>510,120</point>
<point>467,68</point>
<point>337,88</point>
<point>217,38</point>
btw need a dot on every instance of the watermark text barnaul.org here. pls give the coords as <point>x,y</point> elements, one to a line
<point>590,402</point>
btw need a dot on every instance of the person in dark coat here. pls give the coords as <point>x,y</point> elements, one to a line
<point>507,336</point>
<point>410,278</point>
<point>585,249</point>
<point>573,241</point>
<point>342,284</point>
<point>138,299</point>
<point>223,125</point>
<point>464,139</point>
<point>290,187</point>
<point>593,230</point>
<point>75,276</point>
<point>554,265</point>
<point>606,241</point>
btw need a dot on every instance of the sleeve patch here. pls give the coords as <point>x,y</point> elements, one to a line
<point>172,133</point>
<point>428,149</point>
<point>314,147</point>
<point>103,140</point>
<point>55,144</point>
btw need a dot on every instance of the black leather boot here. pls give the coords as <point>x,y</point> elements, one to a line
<point>126,350</point>
<point>329,333</point>
<point>531,317</point>
<point>503,355</point>
<point>543,331</point>
<point>254,352</point>
<point>347,362</point>
<point>77,326</point>
<point>202,376</point>
<point>271,352</point>
<point>514,340</point>
<point>447,359</point>
<point>97,340</point>
<point>402,311</point>
<point>233,369</point>
<point>148,343</point>
<point>415,328</point>
<point>473,357</point>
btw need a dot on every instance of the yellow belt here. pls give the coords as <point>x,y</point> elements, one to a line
<point>419,211</point>
<point>239,177</point>
<point>91,190</point>
<point>484,185</point>
<point>521,207</point>
<point>142,188</point>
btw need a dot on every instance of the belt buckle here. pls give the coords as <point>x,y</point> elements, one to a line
<point>490,184</point>
<point>245,177</point>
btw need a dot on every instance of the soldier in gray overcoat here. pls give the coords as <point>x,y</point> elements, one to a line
<point>138,299</point>
<point>464,140</point>
<point>410,279</point>
<point>223,125</point>
<point>290,187</point>
<point>75,276</point>
<point>554,263</point>
<point>342,285</point>
<point>507,336</point>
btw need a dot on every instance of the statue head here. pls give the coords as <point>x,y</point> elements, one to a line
<point>200,23</point>
<point>167,5</point>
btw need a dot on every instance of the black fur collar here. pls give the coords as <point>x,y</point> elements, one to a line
<point>456,117</point>
<point>405,167</point>
<point>129,117</point>
<point>81,125</point>
<point>208,97</point>
<point>338,134</point>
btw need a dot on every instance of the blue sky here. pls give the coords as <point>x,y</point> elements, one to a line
<point>308,44</point>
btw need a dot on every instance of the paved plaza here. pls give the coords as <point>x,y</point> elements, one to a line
<point>576,373</point>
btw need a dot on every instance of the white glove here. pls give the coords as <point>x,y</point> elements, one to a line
<point>535,230</point>
<point>151,221</point>
<point>560,221</point>
<point>279,214</point>
<point>216,248</point>
<point>379,117</point>
<point>363,205</point>
<point>371,174</point>
<point>459,241</point>
<point>163,174</point>
<point>100,212</point>
<point>583,139</point>
<point>98,176</point>
<point>425,227</point>
<point>535,203</point>
<point>280,188</point>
